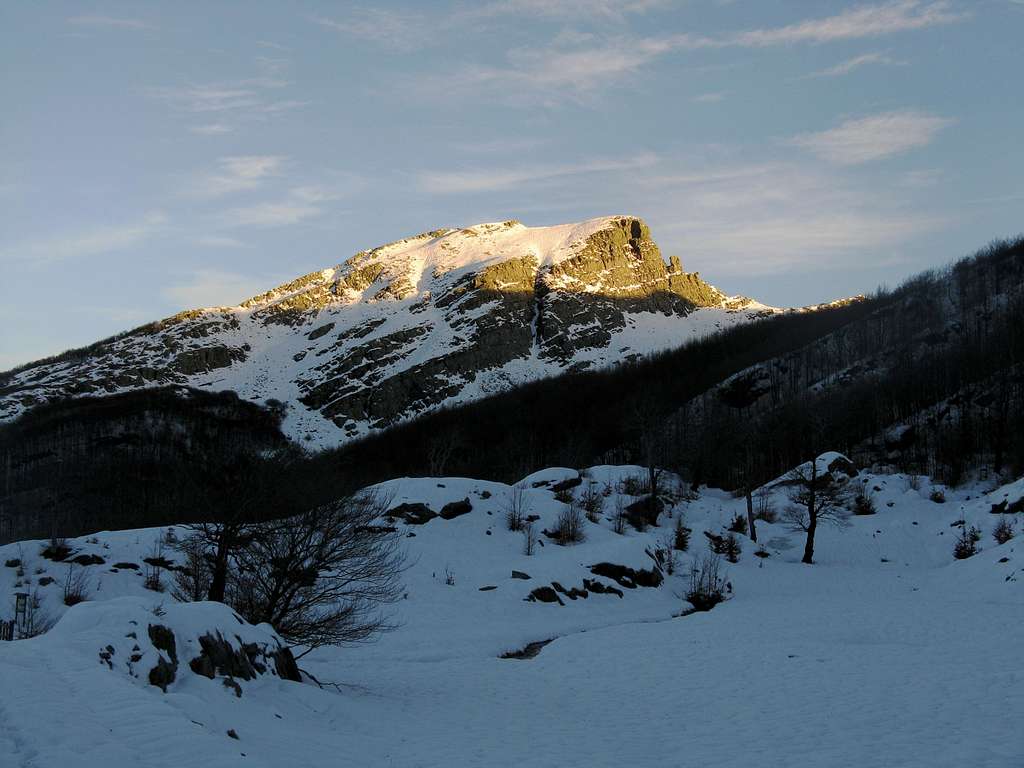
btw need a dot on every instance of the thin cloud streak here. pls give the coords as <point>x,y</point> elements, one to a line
<point>492,179</point>
<point>267,215</point>
<point>92,242</point>
<point>213,288</point>
<point>850,65</point>
<point>864,21</point>
<point>211,129</point>
<point>872,138</point>
<point>577,65</point>
<point>110,22</point>
<point>236,174</point>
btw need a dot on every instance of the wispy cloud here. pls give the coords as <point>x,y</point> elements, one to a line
<point>210,129</point>
<point>813,240</point>
<point>214,97</point>
<point>872,138</point>
<point>110,22</point>
<point>857,62</point>
<point>863,21</point>
<point>248,99</point>
<point>397,30</point>
<point>235,174</point>
<point>760,218</point>
<point>265,215</point>
<point>921,179</point>
<point>219,241</point>
<point>299,203</point>
<point>710,98</point>
<point>551,73</point>
<point>492,179</point>
<point>91,242</point>
<point>575,65</point>
<point>213,288</point>
<point>563,9</point>
<point>407,31</point>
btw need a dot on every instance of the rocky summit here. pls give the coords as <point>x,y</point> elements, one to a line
<point>443,317</point>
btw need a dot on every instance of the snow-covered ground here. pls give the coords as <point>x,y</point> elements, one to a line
<point>886,652</point>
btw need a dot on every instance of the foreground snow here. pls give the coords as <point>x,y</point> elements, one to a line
<point>886,652</point>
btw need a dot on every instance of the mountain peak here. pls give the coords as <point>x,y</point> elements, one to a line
<point>438,318</point>
<point>421,264</point>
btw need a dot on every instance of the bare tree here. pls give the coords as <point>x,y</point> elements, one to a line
<point>748,487</point>
<point>246,491</point>
<point>322,577</point>
<point>192,577</point>
<point>816,497</point>
<point>652,446</point>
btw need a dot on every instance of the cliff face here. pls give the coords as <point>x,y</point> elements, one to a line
<point>442,317</point>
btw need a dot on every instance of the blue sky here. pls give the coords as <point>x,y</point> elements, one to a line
<point>158,156</point>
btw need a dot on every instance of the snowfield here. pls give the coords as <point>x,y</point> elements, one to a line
<point>886,652</point>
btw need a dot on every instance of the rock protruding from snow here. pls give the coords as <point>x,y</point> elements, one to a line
<point>161,643</point>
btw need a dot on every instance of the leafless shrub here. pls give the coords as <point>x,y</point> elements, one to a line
<point>764,507</point>
<point>635,485</point>
<point>529,538</point>
<point>569,526</point>
<point>517,507</point>
<point>738,524</point>
<point>707,586</point>
<point>1003,531</point>
<point>863,504</point>
<point>76,586</point>
<point>153,572</point>
<point>681,535</point>
<point>564,495</point>
<point>667,553</point>
<point>36,620</point>
<point>592,503</point>
<point>620,518</point>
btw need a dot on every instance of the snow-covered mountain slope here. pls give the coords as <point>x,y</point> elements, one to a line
<point>440,318</point>
<point>887,651</point>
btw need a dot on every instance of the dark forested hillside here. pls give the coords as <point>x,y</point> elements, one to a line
<point>930,381</point>
<point>927,377</point>
<point>106,462</point>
